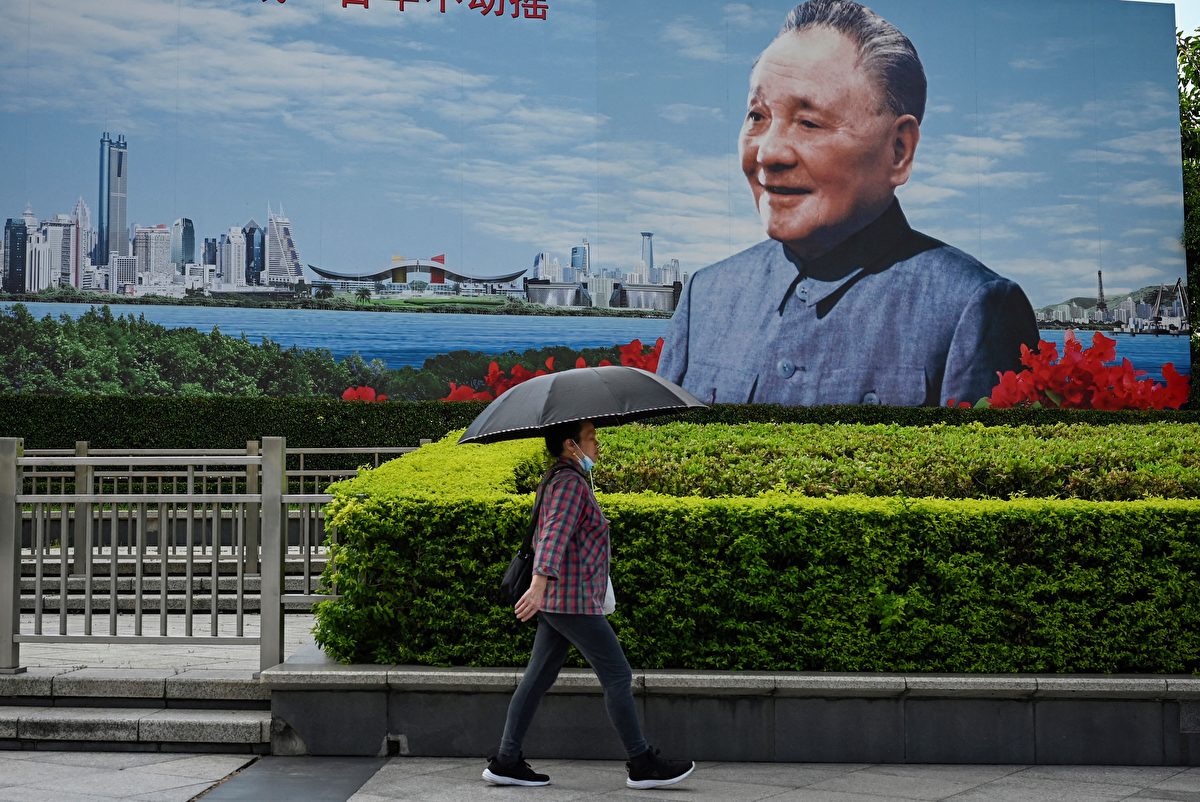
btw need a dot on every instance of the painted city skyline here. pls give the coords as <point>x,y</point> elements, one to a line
<point>1050,149</point>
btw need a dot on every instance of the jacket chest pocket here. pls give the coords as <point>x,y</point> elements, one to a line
<point>720,384</point>
<point>889,385</point>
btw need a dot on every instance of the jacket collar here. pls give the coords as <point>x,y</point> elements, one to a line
<point>877,246</point>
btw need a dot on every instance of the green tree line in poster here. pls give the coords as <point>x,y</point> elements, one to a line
<point>102,354</point>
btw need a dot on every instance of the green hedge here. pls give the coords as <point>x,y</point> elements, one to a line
<point>777,582</point>
<point>224,422</point>
<point>1105,463</point>
<point>214,422</point>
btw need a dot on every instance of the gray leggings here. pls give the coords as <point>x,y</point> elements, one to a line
<point>594,638</point>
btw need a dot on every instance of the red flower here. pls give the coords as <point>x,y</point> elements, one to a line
<point>466,393</point>
<point>1080,379</point>
<point>633,354</point>
<point>363,393</point>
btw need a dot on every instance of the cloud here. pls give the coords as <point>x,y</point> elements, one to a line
<point>110,63</point>
<point>697,206</point>
<point>686,112</point>
<point>1006,145</point>
<point>745,17</point>
<point>1149,192</point>
<point>1065,220</point>
<point>921,194</point>
<point>1023,120</point>
<point>112,56</point>
<point>1048,54</point>
<point>1154,146</point>
<point>690,40</point>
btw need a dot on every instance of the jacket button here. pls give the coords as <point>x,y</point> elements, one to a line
<point>785,368</point>
<point>871,398</point>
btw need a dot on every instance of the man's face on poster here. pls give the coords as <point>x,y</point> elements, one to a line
<point>822,153</point>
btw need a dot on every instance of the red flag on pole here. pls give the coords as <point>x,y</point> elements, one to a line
<point>440,258</point>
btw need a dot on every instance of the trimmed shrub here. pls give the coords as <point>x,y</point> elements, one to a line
<point>776,582</point>
<point>1109,463</point>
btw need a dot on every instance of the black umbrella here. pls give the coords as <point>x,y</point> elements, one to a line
<point>607,396</point>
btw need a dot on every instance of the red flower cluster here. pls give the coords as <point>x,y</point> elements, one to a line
<point>363,393</point>
<point>633,354</point>
<point>1081,380</point>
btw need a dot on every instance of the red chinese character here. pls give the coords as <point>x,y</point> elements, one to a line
<point>534,9</point>
<point>443,2</point>
<point>402,2</point>
<point>363,3</point>
<point>486,6</point>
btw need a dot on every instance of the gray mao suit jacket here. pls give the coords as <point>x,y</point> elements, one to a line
<point>891,316</point>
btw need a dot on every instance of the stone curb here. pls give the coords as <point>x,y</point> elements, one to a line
<point>310,677</point>
<point>64,682</point>
<point>120,725</point>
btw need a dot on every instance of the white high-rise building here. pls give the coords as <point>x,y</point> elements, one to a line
<point>41,262</point>
<point>124,273</point>
<point>671,272</point>
<point>152,248</point>
<point>59,237</point>
<point>283,263</point>
<point>85,241</point>
<point>231,257</point>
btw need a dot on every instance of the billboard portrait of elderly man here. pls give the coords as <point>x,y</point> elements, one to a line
<point>845,303</point>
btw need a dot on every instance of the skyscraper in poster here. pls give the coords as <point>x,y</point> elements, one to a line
<point>111,236</point>
<point>183,243</point>
<point>282,261</point>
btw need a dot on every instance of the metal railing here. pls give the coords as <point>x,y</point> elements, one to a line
<point>156,522</point>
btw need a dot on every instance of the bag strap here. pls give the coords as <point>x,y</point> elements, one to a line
<point>527,545</point>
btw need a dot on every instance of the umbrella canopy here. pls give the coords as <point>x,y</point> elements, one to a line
<point>608,395</point>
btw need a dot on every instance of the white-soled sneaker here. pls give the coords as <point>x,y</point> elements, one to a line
<point>648,770</point>
<point>518,772</point>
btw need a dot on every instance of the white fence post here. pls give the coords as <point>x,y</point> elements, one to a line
<point>274,540</point>
<point>250,555</point>
<point>83,511</point>
<point>10,556</point>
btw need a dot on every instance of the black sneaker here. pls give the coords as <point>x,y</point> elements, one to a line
<point>648,770</point>
<point>517,772</point>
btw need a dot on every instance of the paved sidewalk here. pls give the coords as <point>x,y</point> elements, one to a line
<point>45,776</point>
<point>102,777</point>
<point>105,776</point>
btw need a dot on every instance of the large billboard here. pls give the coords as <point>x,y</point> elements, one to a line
<point>876,206</point>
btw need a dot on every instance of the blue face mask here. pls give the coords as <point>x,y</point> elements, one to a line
<point>585,461</point>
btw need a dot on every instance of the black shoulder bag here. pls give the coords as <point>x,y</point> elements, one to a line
<point>519,574</point>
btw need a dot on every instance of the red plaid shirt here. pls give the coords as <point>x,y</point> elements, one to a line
<point>571,546</point>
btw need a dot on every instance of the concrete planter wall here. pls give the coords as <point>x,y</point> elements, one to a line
<point>329,709</point>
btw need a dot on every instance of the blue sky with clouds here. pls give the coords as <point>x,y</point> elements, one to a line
<point>1049,150</point>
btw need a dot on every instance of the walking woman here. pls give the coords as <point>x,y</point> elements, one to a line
<point>570,594</point>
